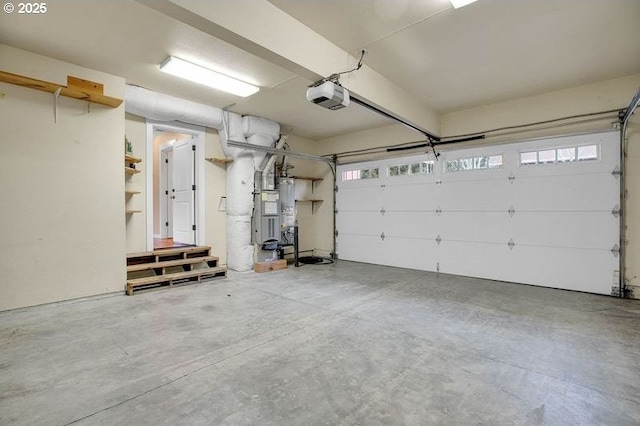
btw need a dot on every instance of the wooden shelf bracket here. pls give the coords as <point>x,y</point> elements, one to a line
<point>56,95</point>
<point>76,88</point>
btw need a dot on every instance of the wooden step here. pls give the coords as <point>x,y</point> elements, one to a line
<point>171,279</point>
<point>169,263</point>
<point>169,251</point>
<point>168,254</point>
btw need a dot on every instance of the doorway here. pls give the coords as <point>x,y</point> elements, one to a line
<point>175,185</point>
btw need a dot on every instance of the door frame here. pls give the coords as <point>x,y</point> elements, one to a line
<point>198,133</point>
<point>166,150</point>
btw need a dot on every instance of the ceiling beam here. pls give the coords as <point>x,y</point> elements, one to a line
<point>260,28</point>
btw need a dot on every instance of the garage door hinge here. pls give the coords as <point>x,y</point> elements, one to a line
<point>511,244</point>
<point>193,227</point>
<point>193,187</point>
<point>382,211</point>
<point>511,178</point>
<point>335,188</point>
<point>382,236</point>
<point>616,171</point>
<point>615,250</point>
<point>336,232</point>
<point>438,211</point>
<point>438,239</point>
<point>511,211</point>
<point>616,211</point>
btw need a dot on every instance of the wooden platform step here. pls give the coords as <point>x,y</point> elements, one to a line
<point>211,261</point>
<point>168,254</point>
<point>174,278</point>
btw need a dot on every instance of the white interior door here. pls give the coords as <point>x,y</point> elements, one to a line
<point>183,192</point>
<point>549,222</point>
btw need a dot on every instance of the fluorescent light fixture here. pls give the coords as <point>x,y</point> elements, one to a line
<point>207,77</point>
<point>459,3</point>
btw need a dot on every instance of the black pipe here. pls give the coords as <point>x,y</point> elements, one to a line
<point>404,148</point>
<point>470,138</point>
<point>424,145</point>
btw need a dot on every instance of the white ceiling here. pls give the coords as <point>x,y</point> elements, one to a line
<point>449,59</point>
<point>486,52</point>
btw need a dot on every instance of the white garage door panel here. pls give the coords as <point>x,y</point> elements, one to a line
<point>566,193</point>
<point>411,253</point>
<point>369,198</point>
<point>475,226</point>
<point>576,229</point>
<point>475,195</point>
<point>480,260</point>
<point>582,270</point>
<point>408,197</point>
<point>359,223</point>
<point>351,249</point>
<point>557,217</point>
<point>403,224</point>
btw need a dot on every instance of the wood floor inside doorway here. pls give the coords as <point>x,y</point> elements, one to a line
<point>162,243</point>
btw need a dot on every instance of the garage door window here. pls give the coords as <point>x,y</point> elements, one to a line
<point>370,173</point>
<point>587,152</point>
<point>560,155</point>
<point>423,167</point>
<point>474,163</point>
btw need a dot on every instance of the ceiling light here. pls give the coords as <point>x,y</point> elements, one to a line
<point>201,75</point>
<point>459,3</point>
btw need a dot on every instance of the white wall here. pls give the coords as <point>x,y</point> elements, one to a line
<point>215,186</point>
<point>62,216</point>
<point>611,94</point>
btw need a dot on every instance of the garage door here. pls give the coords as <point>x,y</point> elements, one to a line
<point>541,212</point>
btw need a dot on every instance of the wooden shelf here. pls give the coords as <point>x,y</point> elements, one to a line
<point>70,92</point>
<point>130,160</point>
<point>311,179</point>
<point>220,160</point>
<point>312,201</point>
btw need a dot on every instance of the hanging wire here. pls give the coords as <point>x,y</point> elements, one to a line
<point>335,78</point>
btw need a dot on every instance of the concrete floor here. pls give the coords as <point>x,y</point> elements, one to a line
<point>341,344</point>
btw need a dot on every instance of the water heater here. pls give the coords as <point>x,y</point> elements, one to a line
<point>287,191</point>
